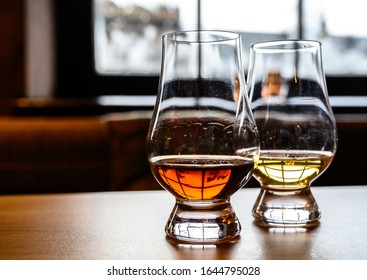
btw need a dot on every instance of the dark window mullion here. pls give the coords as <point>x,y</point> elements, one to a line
<point>300,15</point>
<point>199,15</point>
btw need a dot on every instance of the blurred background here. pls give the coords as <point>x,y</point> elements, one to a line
<point>78,81</point>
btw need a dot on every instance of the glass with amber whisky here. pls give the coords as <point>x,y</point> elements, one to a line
<point>202,142</point>
<point>297,129</point>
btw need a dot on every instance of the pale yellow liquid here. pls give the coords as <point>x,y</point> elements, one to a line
<point>290,170</point>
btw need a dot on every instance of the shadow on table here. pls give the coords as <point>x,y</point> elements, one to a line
<point>290,243</point>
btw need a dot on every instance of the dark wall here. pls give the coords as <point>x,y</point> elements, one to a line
<point>12,70</point>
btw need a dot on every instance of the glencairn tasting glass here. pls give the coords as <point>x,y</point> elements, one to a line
<point>297,130</point>
<point>202,140</point>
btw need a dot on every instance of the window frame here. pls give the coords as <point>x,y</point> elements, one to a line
<point>76,76</point>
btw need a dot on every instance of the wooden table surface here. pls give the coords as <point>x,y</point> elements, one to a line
<point>130,225</point>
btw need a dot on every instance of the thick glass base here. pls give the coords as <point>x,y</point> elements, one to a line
<point>286,208</point>
<point>209,222</point>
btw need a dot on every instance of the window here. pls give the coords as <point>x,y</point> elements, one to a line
<point>120,52</point>
<point>127,34</point>
<point>338,24</point>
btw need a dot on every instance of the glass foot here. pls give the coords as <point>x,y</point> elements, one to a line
<point>286,208</point>
<point>200,222</point>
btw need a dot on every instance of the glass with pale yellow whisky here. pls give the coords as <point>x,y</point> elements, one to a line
<point>297,129</point>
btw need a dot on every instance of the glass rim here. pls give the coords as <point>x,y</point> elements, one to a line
<point>286,45</point>
<point>197,36</point>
